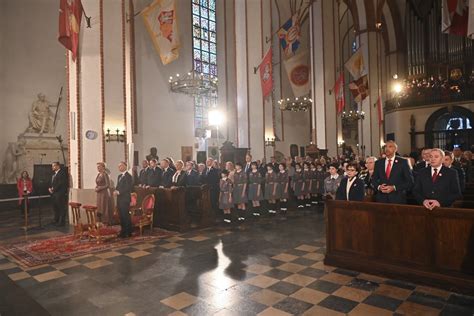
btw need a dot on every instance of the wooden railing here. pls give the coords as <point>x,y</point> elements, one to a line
<point>403,241</point>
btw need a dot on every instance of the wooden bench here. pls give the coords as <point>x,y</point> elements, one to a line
<point>403,241</point>
<point>174,207</point>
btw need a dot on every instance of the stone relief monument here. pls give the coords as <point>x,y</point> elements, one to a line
<point>40,116</point>
<point>38,144</point>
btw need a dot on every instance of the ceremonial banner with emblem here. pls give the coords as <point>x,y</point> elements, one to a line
<point>266,71</point>
<point>339,93</point>
<point>289,35</point>
<point>298,70</point>
<point>70,14</point>
<point>360,88</point>
<point>355,64</point>
<point>162,25</point>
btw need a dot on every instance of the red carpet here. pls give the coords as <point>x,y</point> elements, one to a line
<point>51,250</point>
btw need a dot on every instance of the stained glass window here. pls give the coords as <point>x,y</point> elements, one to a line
<point>204,55</point>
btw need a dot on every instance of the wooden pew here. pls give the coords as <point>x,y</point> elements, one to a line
<point>403,241</point>
<point>173,207</point>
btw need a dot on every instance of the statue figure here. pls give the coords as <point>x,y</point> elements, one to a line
<point>12,164</point>
<point>412,122</point>
<point>153,154</point>
<point>40,116</point>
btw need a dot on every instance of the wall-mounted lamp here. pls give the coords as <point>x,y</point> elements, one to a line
<point>115,137</point>
<point>340,143</point>
<point>270,142</point>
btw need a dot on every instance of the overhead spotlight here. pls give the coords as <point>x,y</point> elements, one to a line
<point>395,76</point>
<point>397,87</point>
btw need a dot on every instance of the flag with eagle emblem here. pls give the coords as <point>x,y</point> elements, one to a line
<point>70,14</point>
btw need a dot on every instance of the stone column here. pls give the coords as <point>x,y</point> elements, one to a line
<point>324,38</point>
<point>100,94</point>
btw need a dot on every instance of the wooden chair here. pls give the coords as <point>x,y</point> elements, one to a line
<point>96,228</point>
<point>79,228</point>
<point>143,216</point>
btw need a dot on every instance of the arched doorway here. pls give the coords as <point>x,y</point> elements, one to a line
<point>450,127</point>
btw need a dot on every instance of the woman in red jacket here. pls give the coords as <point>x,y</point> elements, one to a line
<point>25,187</point>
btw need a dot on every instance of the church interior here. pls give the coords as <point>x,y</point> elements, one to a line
<point>237,157</point>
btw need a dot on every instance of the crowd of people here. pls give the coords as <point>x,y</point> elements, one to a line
<point>253,189</point>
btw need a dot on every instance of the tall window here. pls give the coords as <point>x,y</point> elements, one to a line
<point>204,55</point>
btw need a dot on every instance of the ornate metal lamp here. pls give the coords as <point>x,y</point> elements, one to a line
<point>352,116</point>
<point>295,104</point>
<point>194,84</point>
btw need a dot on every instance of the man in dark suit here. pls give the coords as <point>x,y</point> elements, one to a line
<point>142,175</point>
<point>274,164</point>
<point>424,163</point>
<point>212,178</point>
<point>437,186</point>
<point>392,177</point>
<point>154,175</point>
<point>192,176</point>
<point>167,176</point>
<point>461,162</point>
<point>448,163</point>
<point>123,191</point>
<point>248,162</point>
<point>58,191</point>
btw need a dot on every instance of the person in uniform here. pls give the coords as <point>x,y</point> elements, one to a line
<point>239,193</point>
<point>225,195</point>
<point>255,193</point>
<point>308,181</point>
<point>298,185</point>
<point>331,183</point>
<point>271,184</point>
<point>283,184</point>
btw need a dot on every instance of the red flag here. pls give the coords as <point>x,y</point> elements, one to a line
<point>339,93</point>
<point>380,109</point>
<point>70,15</point>
<point>455,16</point>
<point>266,77</point>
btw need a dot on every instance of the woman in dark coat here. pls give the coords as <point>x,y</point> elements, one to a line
<point>104,196</point>
<point>239,193</point>
<point>352,187</point>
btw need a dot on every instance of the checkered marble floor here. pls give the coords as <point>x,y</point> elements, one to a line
<point>270,267</point>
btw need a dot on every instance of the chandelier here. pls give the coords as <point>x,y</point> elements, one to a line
<point>296,104</point>
<point>353,116</point>
<point>194,84</point>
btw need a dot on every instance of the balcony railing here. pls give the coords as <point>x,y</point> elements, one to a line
<point>428,92</point>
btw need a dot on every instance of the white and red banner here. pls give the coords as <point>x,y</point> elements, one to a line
<point>457,17</point>
<point>266,74</point>
<point>298,70</point>
<point>162,25</point>
<point>355,64</point>
<point>70,15</point>
<point>339,93</point>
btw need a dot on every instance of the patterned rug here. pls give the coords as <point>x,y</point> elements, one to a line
<point>37,252</point>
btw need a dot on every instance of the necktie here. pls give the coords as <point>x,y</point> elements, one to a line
<point>175,177</point>
<point>389,168</point>
<point>435,175</point>
<point>119,177</point>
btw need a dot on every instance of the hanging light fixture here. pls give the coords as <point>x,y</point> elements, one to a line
<point>194,84</point>
<point>295,104</point>
<point>353,116</point>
